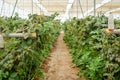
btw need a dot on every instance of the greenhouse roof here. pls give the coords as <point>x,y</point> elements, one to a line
<point>66,8</point>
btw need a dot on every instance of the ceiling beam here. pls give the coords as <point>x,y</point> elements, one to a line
<point>113,10</point>
<point>41,7</point>
<point>97,6</point>
<point>8,8</point>
<point>69,5</point>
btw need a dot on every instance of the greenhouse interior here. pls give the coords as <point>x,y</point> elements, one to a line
<point>59,39</point>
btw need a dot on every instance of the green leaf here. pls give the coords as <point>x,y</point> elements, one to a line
<point>11,78</point>
<point>13,75</point>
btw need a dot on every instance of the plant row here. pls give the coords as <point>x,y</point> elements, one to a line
<point>21,58</point>
<point>95,52</point>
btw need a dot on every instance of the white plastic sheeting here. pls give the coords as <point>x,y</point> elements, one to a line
<point>97,6</point>
<point>41,7</point>
<point>8,9</point>
<point>66,15</point>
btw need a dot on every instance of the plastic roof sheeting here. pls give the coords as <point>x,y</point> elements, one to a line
<point>25,7</point>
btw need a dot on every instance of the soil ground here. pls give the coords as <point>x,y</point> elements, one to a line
<point>59,65</point>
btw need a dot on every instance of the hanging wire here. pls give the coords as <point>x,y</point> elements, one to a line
<point>49,4</point>
<point>40,8</point>
<point>77,7</point>
<point>9,9</point>
<point>70,12</point>
<point>2,7</point>
<point>87,6</point>
<point>32,6</point>
<point>110,5</point>
<point>14,7</point>
<point>23,8</point>
<point>94,7</point>
<point>36,8</point>
<point>81,8</point>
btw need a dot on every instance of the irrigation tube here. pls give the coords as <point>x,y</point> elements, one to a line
<point>15,35</point>
<point>20,35</point>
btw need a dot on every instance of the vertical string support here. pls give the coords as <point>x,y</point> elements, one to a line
<point>1,42</point>
<point>77,7</point>
<point>32,6</point>
<point>36,8</point>
<point>81,8</point>
<point>2,7</point>
<point>23,8</point>
<point>87,6</point>
<point>40,8</point>
<point>94,7</point>
<point>14,7</point>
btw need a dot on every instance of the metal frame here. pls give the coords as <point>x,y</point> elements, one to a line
<point>14,7</point>
<point>41,7</point>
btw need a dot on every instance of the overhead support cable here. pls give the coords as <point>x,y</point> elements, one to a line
<point>113,10</point>
<point>98,6</point>
<point>14,7</point>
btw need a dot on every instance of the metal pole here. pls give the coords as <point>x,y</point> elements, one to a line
<point>14,7</point>
<point>94,7</point>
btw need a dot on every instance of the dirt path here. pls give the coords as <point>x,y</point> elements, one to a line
<point>60,63</point>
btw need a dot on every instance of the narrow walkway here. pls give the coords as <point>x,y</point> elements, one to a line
<point>60,63</point>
